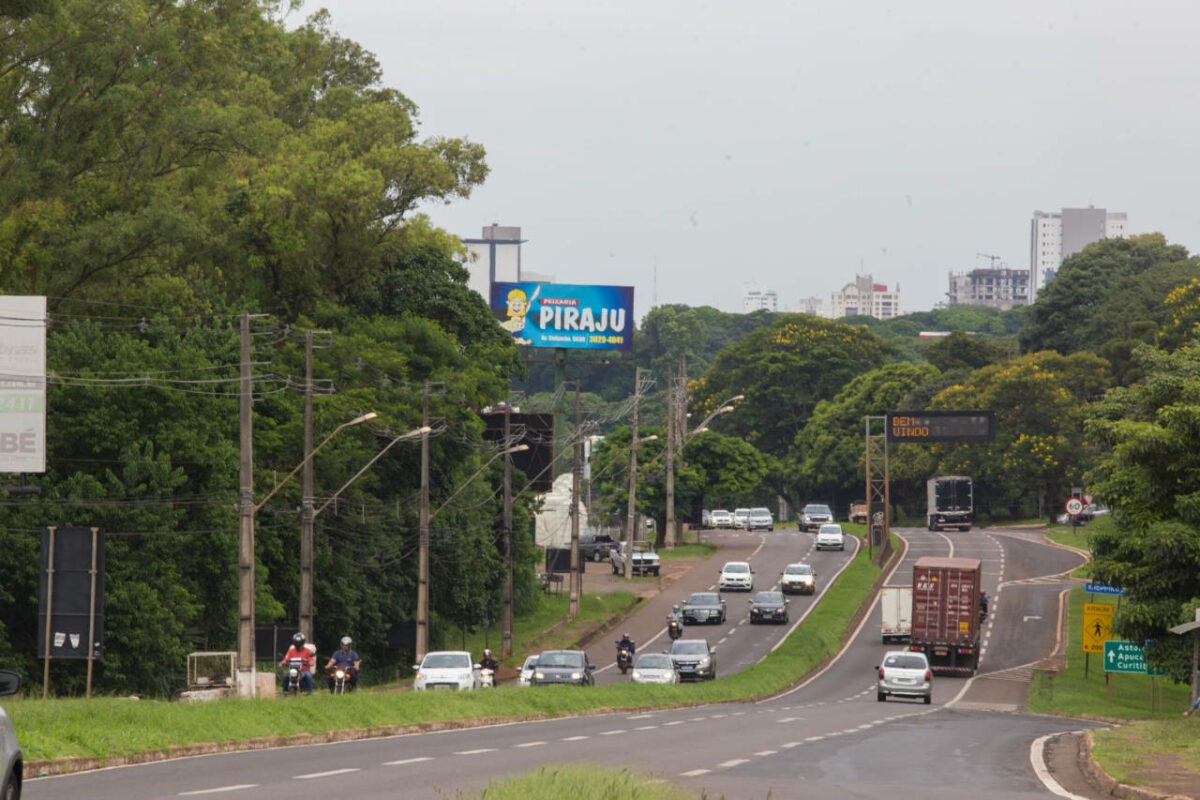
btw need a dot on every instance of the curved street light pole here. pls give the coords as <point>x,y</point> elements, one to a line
<point>676,441</point>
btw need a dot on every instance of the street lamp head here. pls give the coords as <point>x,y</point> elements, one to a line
<point>362,418</point>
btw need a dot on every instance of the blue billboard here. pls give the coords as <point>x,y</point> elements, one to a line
<point>565,315</point>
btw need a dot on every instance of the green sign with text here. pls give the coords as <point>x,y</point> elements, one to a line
<point>1121,656</point>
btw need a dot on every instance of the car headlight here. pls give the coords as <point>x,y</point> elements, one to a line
<point>637,675</point>
<point>576,676</point>
<point>705,662</point>
<point>421,676</point>
<point>539,675</point>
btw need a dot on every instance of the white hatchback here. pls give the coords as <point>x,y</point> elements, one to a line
<point>446,669</point>
<point>830,537</point>
<point>736,575</point>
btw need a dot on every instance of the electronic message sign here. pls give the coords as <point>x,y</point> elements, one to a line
<point>564,315</point>
<point>941,426</point>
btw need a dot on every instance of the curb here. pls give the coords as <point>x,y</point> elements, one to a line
<point>1110,785</point>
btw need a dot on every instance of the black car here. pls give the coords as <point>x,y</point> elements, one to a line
<point>769,607</point>
<point>703,607</point>
<point>562,666</point>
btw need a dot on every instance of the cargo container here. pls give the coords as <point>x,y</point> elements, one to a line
<point>895,604</point>
<point>951,502</point>
<point>945,613</point>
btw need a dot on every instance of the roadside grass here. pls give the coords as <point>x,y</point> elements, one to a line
<point>579,780</point>
<point>106,727</point>
<point>691,550</point>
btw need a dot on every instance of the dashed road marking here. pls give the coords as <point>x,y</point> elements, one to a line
<point>232,788</point>
<point>529,744</point>
<point>733,762</point>
<point>313,775</point>
<point>475,752</point>
<point>694,772</point>
<point>404,761</point>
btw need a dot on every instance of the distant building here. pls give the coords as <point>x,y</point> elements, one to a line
<point>864,297</point>
<point>758,298</point>
<point>1055,236</point>
<point>1000,288</point>
<point>811,305</point>
<point>495,256</point>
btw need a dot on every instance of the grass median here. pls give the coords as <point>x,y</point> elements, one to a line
<point>107,730</point>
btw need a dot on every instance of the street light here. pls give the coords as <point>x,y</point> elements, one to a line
<point>424,429</point>
<point>725,407</point>
<point>248,509</point>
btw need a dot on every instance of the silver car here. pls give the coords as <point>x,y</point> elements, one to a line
<point>654,668</point>
<point>527,671</point>
<point>10,749</point>
<point>904,673</point>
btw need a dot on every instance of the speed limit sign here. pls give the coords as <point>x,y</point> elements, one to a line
<point>1074,506</point>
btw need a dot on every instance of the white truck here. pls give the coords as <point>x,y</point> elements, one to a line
<point>951,502</point>
<point>645,560</point>
<point>895,602</point>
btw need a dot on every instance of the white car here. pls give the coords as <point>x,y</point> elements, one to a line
<point>10,750</point>
<point>830,537</point>
<point>736,575</point>
<point>654,668</point>
<point>760,519</point>
<point>904,673</point>
<point>798,579</point>
<point>446,669</point>
<point>741,518</point>
<point>527,670</point>
<point>720,518</point>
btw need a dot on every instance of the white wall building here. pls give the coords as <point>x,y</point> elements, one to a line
<point>495,256</point>
<point>756,298</point>
<point>811,305</point>
<point>866,298</point>
<point>1056,235</point>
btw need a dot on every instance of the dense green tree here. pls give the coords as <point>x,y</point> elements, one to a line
<point>1108,298</point>
<point>959,351</point>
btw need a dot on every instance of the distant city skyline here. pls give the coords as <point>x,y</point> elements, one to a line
<point>687,149</point>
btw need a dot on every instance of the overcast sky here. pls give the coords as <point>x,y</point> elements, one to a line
<point>686,148</point>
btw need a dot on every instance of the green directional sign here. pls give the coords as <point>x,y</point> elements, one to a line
<point>1121,656</point>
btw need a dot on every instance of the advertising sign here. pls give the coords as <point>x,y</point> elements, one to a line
<point>22,384</point>
<point>1097,625</point>
<point>565,315</point>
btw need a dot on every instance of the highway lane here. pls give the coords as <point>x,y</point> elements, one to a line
<point>829,736</point>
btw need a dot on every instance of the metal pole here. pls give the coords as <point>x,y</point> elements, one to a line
<point>306,502</point>
<point>423,536</point>
<point>672,412</point>
<point>633,450</point>
<point>576,470</point>
<point>245,654</point>
<point>91,644</point>
<point>507,612</point>
<point>49,612</point>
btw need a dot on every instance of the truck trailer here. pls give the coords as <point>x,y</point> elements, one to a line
<point>951,502</point>
<point>895,606</point>
<point>945,613</point>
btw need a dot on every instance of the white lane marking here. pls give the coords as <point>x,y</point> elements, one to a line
<point>404,761</point>
<point>739,713</point>
<point>529,744</point>
<point>674,722</point>
<point>475,752</point>
<point>790,745</point>
<point>697,719</point>
<point>733,762</point>
<point>814,738</point>
<point>613,733</point>
<point>1037,757</point>
<point>766,752</point>
<point>641,716</point>
<point>646,728</point>
<point>233,788</point>
<point>330,773</point>
<point>788,719</point>
<point>575,738</point>
<point>719,716</point>
<point>693,773</point>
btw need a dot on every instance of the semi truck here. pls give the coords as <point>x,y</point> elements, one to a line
<point>945,613</point>
<point>951,502</point>
<point>895,604</point>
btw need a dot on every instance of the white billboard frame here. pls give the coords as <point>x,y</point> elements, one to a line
<point>23,325</point>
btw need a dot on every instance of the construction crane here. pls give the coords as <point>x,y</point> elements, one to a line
<point>994,259</point>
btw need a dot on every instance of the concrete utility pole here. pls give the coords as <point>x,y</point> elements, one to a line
<point>507,613</point>
<point>245,652</point>
<point>576,471</point>
<point>306,501</point>
<point>422,643</point>
<point>668,528</point>
<point>631,516</point>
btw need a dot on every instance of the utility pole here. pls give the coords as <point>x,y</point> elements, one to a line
<point>633,449</point>
<point>507,613</point>
<point>576,470</point>
<point>245,654</point>
<point>668,535</point>
<point>422,644</point>
<point>306,502</point>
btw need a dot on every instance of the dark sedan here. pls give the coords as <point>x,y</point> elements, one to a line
<point>769,607</point>
<point>562,666</point>
<point>703,607</point>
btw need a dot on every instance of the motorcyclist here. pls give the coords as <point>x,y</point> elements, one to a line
<point>298,650</point>
<point>489,662</point>
<point>674,621</point>
<point>627,643</point>
<point>345,658</point>
<point>983,603</point>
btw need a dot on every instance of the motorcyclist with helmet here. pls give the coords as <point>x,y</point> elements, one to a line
<point>627,643</point>
<point>675,622</point>
<point>298,650</point>
<point>489,662</point>
<point>348,659</point>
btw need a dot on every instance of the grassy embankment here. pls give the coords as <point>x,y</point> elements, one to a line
<point>107,727</point>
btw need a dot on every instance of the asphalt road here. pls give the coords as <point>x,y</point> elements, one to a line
<point>828,738</point>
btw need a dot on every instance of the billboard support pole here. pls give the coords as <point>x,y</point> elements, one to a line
<point>49,612</point>
<point>91,643</point>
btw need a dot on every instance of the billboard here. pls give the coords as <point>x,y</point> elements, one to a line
<point>22,384</point>
<point>565,315</point>
<point>941,426</point>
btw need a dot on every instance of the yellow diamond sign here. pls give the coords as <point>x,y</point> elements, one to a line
<point>1097,625</point>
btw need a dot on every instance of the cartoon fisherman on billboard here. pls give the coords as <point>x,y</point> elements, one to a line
<point>518,307</point>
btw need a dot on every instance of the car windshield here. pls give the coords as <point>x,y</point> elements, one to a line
<point>690,647</point>
<point>560,659</point>
<point>798,569</point>
<point>704,599</point>
<point>653,661</point>
<point>446,661</point>
<point>831,529</point>
<point>530,662</point>
<point>768,598</point>
<point>736,566</point>
<point>905,661</point>
<point>817,510</point>
<point>760,511</point>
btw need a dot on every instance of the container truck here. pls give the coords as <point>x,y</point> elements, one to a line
<point>895,603</point>
<point>945,613</point>
<point>951,502</point>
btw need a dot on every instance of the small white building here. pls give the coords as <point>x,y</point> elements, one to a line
<point>866,298</point>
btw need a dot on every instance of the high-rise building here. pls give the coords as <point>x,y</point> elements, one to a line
<point>757,298</point>
<point>1055,236</point>
<point>864,297</point>
<point>1001,288</point>
<point>814,306</point>
<point>495,256</point>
